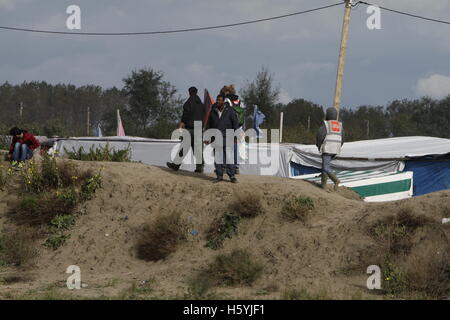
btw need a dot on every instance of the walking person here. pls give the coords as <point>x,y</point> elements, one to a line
<point>193,110</point>
<point>329,141</point>
<point>224,117</point>
<point>22,146</point>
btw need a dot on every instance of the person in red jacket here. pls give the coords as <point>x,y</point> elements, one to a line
<point>23,144</point>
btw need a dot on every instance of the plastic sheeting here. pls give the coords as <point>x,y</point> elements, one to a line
<point>261,159</point>
<point>382,154</point>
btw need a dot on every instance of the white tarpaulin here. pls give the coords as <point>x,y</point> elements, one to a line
<point>381,154</point>
<point>261,159</point>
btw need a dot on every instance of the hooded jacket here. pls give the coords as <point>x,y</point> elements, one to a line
<point>193,110</point>
<point>331,114</point>
<point>28,139</point>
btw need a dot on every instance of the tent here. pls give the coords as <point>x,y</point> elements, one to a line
<point>427,158</point>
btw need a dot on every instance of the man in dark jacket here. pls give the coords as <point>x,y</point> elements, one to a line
<point>224,117</point>
<point>329,141</point>
<point>22,146</point>
<point>193,110</point>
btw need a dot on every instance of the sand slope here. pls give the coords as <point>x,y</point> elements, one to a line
<point>296,255</point>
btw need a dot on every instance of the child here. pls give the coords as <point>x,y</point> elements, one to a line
<point>22,146</point>
<point>329,141</point>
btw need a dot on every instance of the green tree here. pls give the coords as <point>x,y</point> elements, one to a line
<point>151,101</point>
<point>262,93</point>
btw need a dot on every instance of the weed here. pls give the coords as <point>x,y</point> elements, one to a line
<point>62,223</point>
<point>247,206</point>
<point>17,247</point>
<point>236,268</point>
<point>298,208</point>
<point>161,238</point>
<point>90,186</point>
<point>100,154</point>
<point>35,210</point>
<point>56,241</point>
<point>222,228</point>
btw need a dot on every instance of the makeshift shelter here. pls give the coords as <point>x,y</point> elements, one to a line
<point>427,158</point>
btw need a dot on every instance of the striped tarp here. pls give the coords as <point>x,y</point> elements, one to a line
<point>373,186</point>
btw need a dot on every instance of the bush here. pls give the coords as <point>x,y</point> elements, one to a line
<point>161,238</point>
<point>100,154</point>
<point>17,247</point>
<point>298,208</point>
<point>222,228</point>
<point>38,210</point>
<point>413,253</point>
<point>247,206</point>
<point>235,268</point>
<point>56,241</point>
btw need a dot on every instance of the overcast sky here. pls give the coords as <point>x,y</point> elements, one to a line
<point>407,58</point>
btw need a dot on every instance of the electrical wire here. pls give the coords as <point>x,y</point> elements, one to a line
<point>404,13</point>
<point>168,31</point>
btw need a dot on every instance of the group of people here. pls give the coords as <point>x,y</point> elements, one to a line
<point>227,113</point>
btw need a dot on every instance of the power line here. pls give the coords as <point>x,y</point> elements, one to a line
<point>169,31</point>
<point>405,13</point>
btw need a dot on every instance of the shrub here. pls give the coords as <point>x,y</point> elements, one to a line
<point>236,268</point>
<point>100,154</point>
<point>395,231</point>
<point>222,228</point>
<point>161,238</point>
<point>298,208</point>
<point>56,241</point>
<point>17,247</point>
<point>413,253</point>
<point>62,223</point>
<point>36,210</point>
<point>247,206</point>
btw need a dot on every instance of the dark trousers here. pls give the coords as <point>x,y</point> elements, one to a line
<point>22,152</point>
<point>230,168</point>
<point>182,155</point>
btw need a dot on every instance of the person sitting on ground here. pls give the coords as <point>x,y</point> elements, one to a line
<point>224,117</point>
<point>329,141</point>
<point>193,110</point>
<point>22,146</point>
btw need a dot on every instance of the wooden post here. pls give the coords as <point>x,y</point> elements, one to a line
<point>281,127</point>
<point>342,55</point>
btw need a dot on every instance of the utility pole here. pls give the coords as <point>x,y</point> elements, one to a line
<point>368,128</point>
<point>342,54</point>
<point>88,120</point>
<point>281,126</point>
<point>309,122</point>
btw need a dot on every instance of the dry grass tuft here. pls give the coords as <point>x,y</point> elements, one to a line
<point>18,247</point>
<point>297,208</point>
<point>161,238</point>
<point>247,206</point>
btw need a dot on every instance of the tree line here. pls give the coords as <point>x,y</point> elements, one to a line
<point>151,106</point>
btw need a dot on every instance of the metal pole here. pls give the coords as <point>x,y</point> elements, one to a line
<point>342,55</point>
